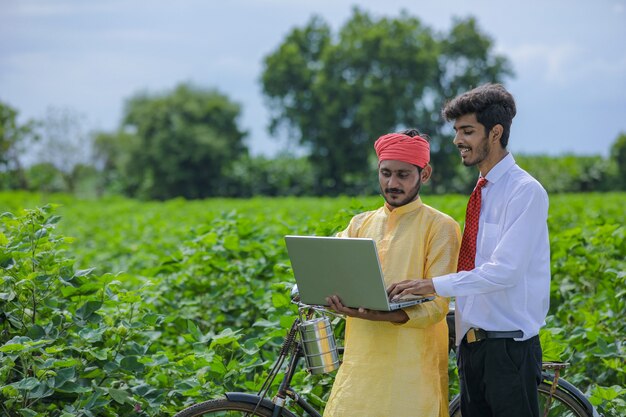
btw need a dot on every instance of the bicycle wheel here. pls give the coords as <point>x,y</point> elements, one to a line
<point>227,408</point>
<point>563,403</point>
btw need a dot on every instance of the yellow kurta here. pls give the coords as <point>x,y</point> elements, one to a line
<point>390,369</point>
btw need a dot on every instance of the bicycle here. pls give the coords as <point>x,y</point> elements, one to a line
<point>557,396</point>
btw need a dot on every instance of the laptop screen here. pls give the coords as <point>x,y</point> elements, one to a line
<point>347,267</point>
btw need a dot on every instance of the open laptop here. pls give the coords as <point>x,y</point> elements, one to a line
<point>347,267</point>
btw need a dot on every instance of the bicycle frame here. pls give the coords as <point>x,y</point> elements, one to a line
<point>291,348</point>
<point>285,389</point>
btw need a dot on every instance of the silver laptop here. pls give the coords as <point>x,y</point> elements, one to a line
<point>347,267</point>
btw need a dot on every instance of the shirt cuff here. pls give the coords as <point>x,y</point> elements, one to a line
<point>444,285</point>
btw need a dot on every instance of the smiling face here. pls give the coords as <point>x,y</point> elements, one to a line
<point>400,182</point>
<point>476,146</point>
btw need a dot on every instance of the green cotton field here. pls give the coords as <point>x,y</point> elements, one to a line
<point>116,307</point>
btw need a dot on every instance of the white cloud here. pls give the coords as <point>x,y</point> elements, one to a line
<point>552,63</point>
<point>44,8</point>
<point>565,64</point>
<point>136,35</point>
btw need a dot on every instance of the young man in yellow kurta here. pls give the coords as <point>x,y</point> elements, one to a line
<point>396,363</point>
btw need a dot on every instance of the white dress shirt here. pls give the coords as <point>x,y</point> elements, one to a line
<point>509,289</point>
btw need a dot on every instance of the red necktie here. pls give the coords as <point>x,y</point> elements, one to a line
<point>467,255</point>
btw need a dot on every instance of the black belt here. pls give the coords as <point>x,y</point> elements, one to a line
<point>475,334</point>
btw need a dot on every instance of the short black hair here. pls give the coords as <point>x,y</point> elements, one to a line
<point>492,104</point>
<point>412,132</point>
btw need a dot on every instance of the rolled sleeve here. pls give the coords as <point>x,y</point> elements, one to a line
<point>428,313</point>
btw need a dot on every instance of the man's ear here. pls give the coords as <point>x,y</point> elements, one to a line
<point>496,133</point>
<point>426,173</point>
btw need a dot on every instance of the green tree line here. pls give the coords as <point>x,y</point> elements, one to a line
<point>331,93</point>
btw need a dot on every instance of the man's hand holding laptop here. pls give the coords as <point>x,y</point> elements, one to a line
<point>400,291</point>
<point>396,316</point>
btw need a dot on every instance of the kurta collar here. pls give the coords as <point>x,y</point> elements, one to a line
<point>413,205</point>
<point>500,168</point>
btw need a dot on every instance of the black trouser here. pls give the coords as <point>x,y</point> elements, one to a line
<point>499,377</point>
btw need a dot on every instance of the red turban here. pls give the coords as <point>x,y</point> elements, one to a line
<point>399,147</point>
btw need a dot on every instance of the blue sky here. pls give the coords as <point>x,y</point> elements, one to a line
<point>90,56</point>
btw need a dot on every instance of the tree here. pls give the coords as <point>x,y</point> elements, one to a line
<point>335,96</point>
<point>113,153</point>
<point>618,154</point>
<point>45,177</point>
<point>281,175</point>
<point>180,143</point>
<point>65,144</point>
<point>466,60</point>
<point>15,138</point>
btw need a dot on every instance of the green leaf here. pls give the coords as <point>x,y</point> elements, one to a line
<point>7,214</point>
<point>27,384</point>
<point>209,239</point>
<point>83,272</point>
<point>250,347</point>
<point>52,220</point>
<point>111,367</point>
<point>608,393</point>
<point>36,332</point>
<point>84,289</point>
<point>280,300</point>
<point>231,242</point>
<point>152,319</point>
<point>92,372</point>
<point>91,335</point>
<point>87,309</point>
<point>73,387</point>
<point>118,395</point>
<point>552,349</point>
<point>158,360</point>
<point>194,331</point>
<point>192,392</point>
<point>41,233</point>
<point>130,297</point>
<point>101,354</point>
<point>218,366</point>
<point>41,391</point>
<point>69,362</point>
<point>12,348</point>
<point>265,323</point>
<point>225,337</point>
<point>64,375</point>
<point>130,363</point>
<point>7,262</point>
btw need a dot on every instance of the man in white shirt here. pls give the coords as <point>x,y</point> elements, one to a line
<point>502,297</point>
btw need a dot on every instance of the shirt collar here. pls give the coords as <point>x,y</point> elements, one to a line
<point>413,205</point>
<point>500,168</point>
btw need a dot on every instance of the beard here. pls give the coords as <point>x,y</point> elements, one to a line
<point>479,153</point>
<point>409,195</point>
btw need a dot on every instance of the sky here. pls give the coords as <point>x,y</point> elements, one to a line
<point>569,58</point>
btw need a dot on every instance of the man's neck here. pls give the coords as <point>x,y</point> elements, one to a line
<point>493,160</point>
